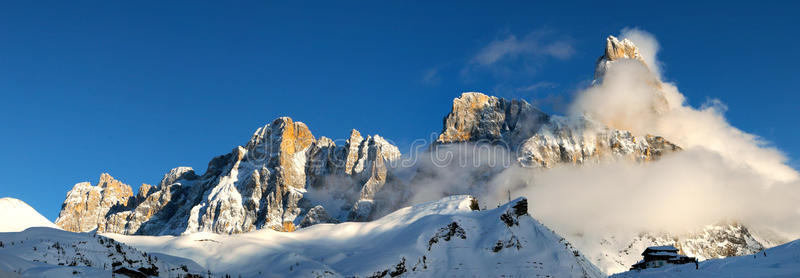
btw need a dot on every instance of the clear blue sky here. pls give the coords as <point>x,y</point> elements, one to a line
<point>136,88</point>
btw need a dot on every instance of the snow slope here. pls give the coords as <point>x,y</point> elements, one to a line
<point>436,239</point>
<point>779,261</point>
<point>48,252</point>
<point>16,216</point>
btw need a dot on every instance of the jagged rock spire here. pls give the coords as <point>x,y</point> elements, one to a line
<point>616,50</point>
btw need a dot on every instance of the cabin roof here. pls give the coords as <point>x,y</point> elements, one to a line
<point>663,254</point>
<point>659,249</point>
<point>663,248</point>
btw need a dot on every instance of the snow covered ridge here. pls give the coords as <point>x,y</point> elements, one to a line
<point>49,252</point>
<point>436,239</point>
<point>32,246</point>
<point>779,261</point>
<point>16,216</point>
<point>447,237</point>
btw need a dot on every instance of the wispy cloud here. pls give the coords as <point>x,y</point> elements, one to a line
<point>532,45</point>
<point>515,58</point>
<point>537,86</point>
<point>431,77</point>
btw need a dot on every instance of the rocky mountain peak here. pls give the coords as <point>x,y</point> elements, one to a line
<point>282,135</point>
<point>621,49</point>
<point>86,205</point>
<point>476,116</point>
<point>175,174</point>
<point>261,185</point>
<point>616,50</point>
<point>115,187</point>
<point>541,140</point>
<point>352,144</point>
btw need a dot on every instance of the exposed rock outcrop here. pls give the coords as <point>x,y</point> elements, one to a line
<point>478,117</point>
<point>581,140</point>
<point>261,185</point>
<point>86,206</point>
<point>616,50</point>
<point>541,140</point>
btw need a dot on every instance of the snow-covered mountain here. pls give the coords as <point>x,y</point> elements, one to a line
<point>281,174</point>
<point>617,253</point>
<point>779,261</point>
<point>448,237</point>
<point>49,252</point>
<point>32,246</point>
<point>285,179</point>
<point>17,215</point>
<point>284,174</point>
<point>542,140</point>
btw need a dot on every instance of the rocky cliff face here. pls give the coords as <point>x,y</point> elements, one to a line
<point>541,140</point>
<point>616,50</point>
<point>582,140</point>
<point>274,181</point>
<point>478,117</point>
<point>86,206</point>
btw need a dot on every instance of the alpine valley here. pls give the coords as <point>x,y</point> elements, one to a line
<point>290,204</point>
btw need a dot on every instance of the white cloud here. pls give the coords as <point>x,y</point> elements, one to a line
<point>431,77</point>
<point>538,86</point>
<point>647,44</point>
<point>532,45</point>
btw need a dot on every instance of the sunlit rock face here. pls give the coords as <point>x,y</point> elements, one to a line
<point>476,116</point>
<point>541,140</point>
<point>616,50</point>
<point>263,184</point>
<point>86,205</point>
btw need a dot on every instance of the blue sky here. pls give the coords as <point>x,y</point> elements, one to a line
<point>134,89</point>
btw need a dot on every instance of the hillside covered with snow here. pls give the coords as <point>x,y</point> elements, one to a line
<point>779,261</point>
<point>49,252</point>
<point>449,237</point>
<point>17,216</point>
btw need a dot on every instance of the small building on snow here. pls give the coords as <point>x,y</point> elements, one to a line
<point>658,256</point>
